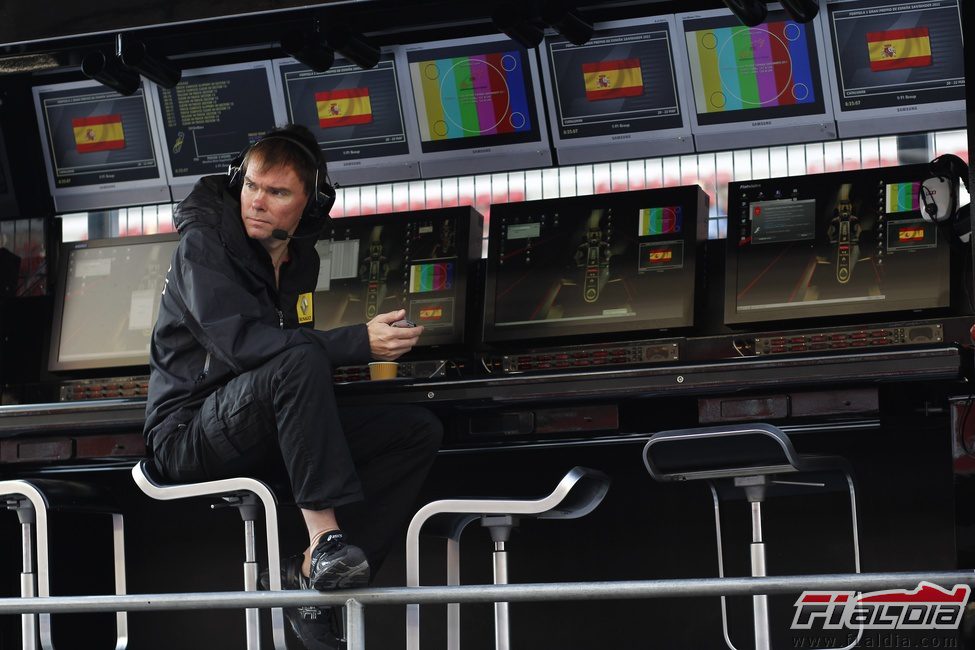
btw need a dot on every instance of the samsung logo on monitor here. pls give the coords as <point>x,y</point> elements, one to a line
<point>621,137</point>
<point>902,109</point>
<point>484,150</point>
<point>762,123</point>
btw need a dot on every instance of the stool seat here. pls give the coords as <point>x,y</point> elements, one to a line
<point>576,495</point>
<point>243,493</point>
<point>755,460</point>
<point>32,500</point>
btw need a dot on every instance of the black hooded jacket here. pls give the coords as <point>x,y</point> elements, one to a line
<point>221,314</point>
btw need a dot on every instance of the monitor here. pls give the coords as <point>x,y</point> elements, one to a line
<point>418,261</point>
<point>826,245</point>
<point>605,264</point>
<point>754,86</point>
<point>355,114</point>
<point>107,301</point>
<point>617,96</point>
<point>210,117</point>
<point>100,148</point>
<point>898,65</point>
<point>8,199</point>
<point>474,105</point>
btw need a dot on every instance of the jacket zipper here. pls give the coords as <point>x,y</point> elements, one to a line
<point>206,369</point>
<point>280,319</point>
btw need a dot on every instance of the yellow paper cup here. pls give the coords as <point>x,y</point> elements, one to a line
<point>383,370</point>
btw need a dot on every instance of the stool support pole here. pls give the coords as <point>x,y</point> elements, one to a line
<point>250,584</point>
<point>501,635</point>
<point>759,603</point>
<point>28,622</point>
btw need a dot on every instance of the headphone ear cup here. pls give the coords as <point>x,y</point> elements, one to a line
<point>937,198</point>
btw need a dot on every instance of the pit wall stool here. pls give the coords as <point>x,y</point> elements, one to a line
<point>32,500</point>
<point>245,494</point>
<point>754,461</point>
<point>576,495</point>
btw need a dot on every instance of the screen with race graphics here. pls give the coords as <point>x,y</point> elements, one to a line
<point>601,264</point>
<point>845,243</point>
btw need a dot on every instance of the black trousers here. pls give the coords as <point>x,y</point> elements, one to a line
<point>367,462</point>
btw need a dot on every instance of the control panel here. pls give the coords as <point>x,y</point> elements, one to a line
<point>870,337</point>
<point>78,390</point>
<point>429,369</point>
<point>585,356</point>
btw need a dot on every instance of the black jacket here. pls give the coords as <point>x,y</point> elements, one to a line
<point>221,314</point>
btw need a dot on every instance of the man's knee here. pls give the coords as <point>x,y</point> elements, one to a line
<point>303,363</point>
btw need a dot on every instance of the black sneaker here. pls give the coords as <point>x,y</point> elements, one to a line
<point>337,565</point>
<point>315,628</point>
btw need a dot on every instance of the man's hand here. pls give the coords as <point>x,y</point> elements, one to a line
<point>387,342</point>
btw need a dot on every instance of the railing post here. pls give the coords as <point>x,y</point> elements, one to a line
<point>355,625</point>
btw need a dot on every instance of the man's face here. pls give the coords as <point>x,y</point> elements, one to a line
<point>271,199</point>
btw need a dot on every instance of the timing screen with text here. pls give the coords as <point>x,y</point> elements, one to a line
<point>208,119</point>
<point>584,264</point>
<point>834,244</point>
<point>897,53</point>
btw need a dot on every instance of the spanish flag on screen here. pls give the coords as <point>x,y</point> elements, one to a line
<point>98,133</point>
<point>343,107</point>
<point>899,48</point>
<point>612,79</point>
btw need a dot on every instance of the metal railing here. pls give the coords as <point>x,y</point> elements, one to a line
<point>355,601</point>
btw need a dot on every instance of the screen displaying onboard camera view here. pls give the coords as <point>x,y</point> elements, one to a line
<point>415,261</point>
<point>473,95</point>
<point>752,73</point>
<point>599,264</point>
<point>108,301</point>
<point>355,114</point>
<point>833,244</point>
<point>897,52</point>
<point>621,81</point>
<point>96,136</point>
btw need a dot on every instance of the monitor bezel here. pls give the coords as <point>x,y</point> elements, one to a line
<point>749,132</point>
<point>108,195</point>
<point>471,220</point>
<point>380,169</point>
<point>857,311</point>
<point>694,233</point>
<point>885,120</point>
<point>464,160</point>
<point>67,248</point>
<point>628,144</point>
<point>181,185</point>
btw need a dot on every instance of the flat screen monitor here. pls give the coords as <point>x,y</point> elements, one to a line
<point>417,261</point>
<point>107,301</point>
<point>211,116</point>
<point>606,264</point>
<point>898,65</point>
<point>827,245</point>
<point>474,105</point>
<point>100,148</point>
<point>355,114</point>
<point>752,86</point>
<point>617,96</point>
<point>8,199</point>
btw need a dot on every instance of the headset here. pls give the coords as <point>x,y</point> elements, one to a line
<point>323,197</point>
<point>939,193</point>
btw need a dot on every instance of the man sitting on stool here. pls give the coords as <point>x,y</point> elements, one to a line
<point>241,383</point>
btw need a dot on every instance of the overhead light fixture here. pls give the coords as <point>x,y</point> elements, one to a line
<point>567,22</point>
<point>309,49</point>
<point>749,12</point>
<point>109,71</point>
<point>155,68</point>
<point>511,21</point>
<point>354,47</point>
<point>802,11</point>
